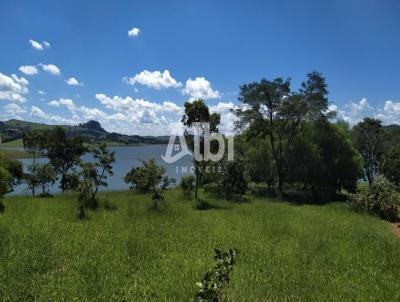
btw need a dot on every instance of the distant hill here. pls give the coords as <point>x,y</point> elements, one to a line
<point>91,131</point>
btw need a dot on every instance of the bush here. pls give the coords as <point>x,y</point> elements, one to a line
<point>187,185</point>
<point>232,181</point>
<point>213,283</point>
<point>109,206</point>
<point>380,199</point>
<point>2,207</point>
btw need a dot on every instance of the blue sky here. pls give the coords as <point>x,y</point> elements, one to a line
<point>138,82</point>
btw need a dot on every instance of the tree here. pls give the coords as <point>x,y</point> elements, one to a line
<point>232,181</point>
<point>15,170</point>
<point>196,117</point>
<point>31,178</point>
<point>259,163</point>
<point>4,184</point>
<point>64,153</point>
<point>270,109</point>
<point>391,165</point>
<point>95,174</point>
<point>34,142</point>
<point>149,178</point>
<point>323,160</point>
<point>369,139</point>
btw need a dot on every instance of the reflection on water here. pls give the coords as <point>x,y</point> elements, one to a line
<point>125,159</point>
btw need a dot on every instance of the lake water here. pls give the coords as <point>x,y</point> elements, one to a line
<point>125,159</point>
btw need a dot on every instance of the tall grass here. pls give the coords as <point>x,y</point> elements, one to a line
<point>287,253</point>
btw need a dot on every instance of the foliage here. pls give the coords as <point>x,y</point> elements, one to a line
<point>64,153</point>
<point>31,177</point>
<point>232,180</point>
<point>324,161</point>
<point>187,185</point>
<point>34,142</point>
<point>198,112</point>
<point>369,139</point>
<point>40,175</point>
<point>147,178</point>
<point>15,171</point>
<point>391,165</point>
<point>215,280</point>
<point>258,160</point>
<point>4,185</point>
<point>380,199</point>
<point>271,110</point>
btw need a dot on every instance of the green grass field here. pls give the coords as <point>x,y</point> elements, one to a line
<point>287,252</point>
<point>14,143</point>
<point>15,154</point>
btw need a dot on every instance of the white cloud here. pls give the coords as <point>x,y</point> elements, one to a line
<point>200,88</point>
<point>221,107</point>
<point>13,110</point>
<point>50,68</point>
<point>51,118</point>
<point>134,32</point>
<point>154,79</point>
<point>73,82</point>
<point>39,46</point>
<point>13,88</point>
<point>36,44</point>
<point>28,69</point>
<point>63,102</point>
<point>41,92</point>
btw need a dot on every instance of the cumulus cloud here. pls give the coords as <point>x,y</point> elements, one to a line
<point>12,110</point>
<point>46,44</point>
<point>73,82</point>
<point>28,69</point>
<point>36,112</point>
<point>154,79</point>
<point>41,92</point>
<point>13,88</point>
<point>200,88</point>
<point>50,68</point>
<point>63,102</point>
<point>134,32</point>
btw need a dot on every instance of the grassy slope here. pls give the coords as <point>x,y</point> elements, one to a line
<point>14,143</point>
<point>15,154</point>
<point>287,253</point>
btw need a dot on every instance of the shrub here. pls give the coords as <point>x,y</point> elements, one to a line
<point>391,165</point>
<point>213,283</point>
<point>232,181</point>
<point>187,185</point>
<point>380,199</point>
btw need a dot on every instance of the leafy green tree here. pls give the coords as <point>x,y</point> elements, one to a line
<point>391,165</point>
<point>64,153</point>
<point>95,174</point>
<point>34,142</point>
<point>369,140</point>
<point>232,181</point>
<point>259,163</point>
<point>323,160</point>
<point>270,109</point>
<point>198,112</point>
<point>4,185</point>
<point>15,171</point>
<point>31,178</point>
<point>46,176</point>
<point>149,178</point>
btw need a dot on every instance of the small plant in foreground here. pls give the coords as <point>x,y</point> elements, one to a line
<point>381,199</point>
<point>213,283</point>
